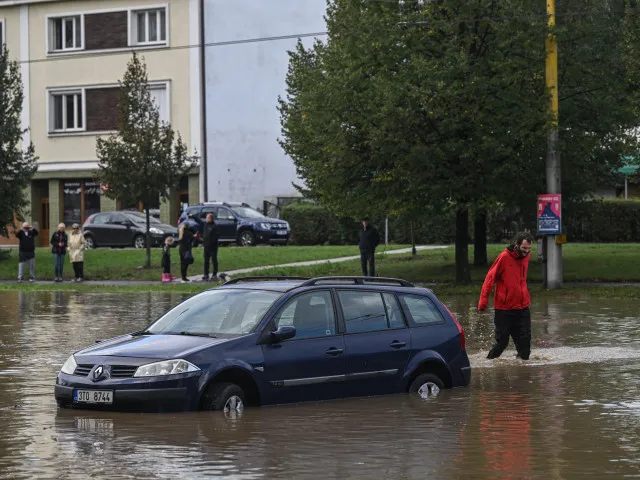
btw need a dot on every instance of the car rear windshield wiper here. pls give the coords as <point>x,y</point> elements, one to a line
<point>193,334</point>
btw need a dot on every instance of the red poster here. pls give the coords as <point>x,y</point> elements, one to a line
<point>550,214</point>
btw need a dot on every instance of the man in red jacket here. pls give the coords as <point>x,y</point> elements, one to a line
<point>511,300</point>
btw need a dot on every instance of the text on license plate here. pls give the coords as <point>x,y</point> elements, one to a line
<point>93,396</point>
<point>282,232</point>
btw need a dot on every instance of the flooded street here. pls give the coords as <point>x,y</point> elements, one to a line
<point>572,411</point>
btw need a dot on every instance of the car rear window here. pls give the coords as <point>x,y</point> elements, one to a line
<point>421,310</point>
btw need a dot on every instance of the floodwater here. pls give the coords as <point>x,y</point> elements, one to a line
<point>572,411</point>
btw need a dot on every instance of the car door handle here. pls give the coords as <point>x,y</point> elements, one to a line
<point>334,351</point>
<point>397,344</point>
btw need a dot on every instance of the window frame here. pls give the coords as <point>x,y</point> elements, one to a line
<point>3,32</point>
<point>409,317</point>
<point>271,324</point>
<point>134,12</point>
<point>381,294</point>
<point>50,21</point>
<point>83,200</point>
<point>51,111</point>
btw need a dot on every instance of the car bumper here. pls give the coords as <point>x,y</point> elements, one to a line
<point>460,370</point>
<point>271,237</point>
<point>173,393</point>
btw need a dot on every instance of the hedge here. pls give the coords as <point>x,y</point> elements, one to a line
<point>602,221</point>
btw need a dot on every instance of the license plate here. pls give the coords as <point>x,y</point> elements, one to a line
<point>93,396</point>
<point>282,232</point>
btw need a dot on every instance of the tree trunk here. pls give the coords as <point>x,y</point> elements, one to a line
<point>480,238</point>
<point>463,273</point>
<point>147,236</point>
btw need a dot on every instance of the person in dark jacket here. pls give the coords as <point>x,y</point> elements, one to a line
<point>166,260</point>
<point>185,240</point>
<point>59,243</point>
<point>210,237</point>
<point>511,300</point>
<point>369,240</point>
<point>27,251</point>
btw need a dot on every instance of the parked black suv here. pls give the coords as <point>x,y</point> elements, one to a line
<point>239,223</point>
<point>124,229</point>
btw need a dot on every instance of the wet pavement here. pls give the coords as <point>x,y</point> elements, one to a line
<point>572,411</point>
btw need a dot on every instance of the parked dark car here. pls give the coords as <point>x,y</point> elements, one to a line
<point>270,340</point>
<point>239,223</point>
<point>124,229</point>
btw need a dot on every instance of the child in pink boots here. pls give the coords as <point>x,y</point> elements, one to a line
<point>166,260</point>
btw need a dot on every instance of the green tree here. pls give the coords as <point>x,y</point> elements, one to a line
<point>17,166</point>
<point>145,158</point>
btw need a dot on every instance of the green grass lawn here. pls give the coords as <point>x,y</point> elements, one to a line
<point>582,263</point>
<point>121,264</point>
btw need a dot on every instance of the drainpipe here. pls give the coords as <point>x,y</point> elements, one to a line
<point>203,105</point>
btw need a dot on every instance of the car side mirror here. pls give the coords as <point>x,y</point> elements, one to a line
<point>283,333</point>
<point>277,336</point>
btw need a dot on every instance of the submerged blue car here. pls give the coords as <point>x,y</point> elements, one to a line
<point>269,340</point>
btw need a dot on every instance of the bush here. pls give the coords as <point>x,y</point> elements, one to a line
<point>602,221</point>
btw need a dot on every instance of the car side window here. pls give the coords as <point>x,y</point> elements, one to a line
<point>206,211</point>
<point>421,310</point>
<point>117,218</point>
<point>310,313</point>
<point>364,311</point>
<point>394,313</point>
<point>102,219</point>
<point>224,214</point>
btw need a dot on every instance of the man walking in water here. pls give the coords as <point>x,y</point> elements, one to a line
<point>511,300</point>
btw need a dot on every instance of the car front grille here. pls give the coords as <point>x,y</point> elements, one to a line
<point>122,371</point>
<point>82,370</point>
<point>117,371</point>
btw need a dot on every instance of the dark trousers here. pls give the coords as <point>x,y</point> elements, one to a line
<point>368,257</point>
<point>183,269</point>
<point>166,268</point>
<point>78,269</point>
<point>210,255</point>
<point>514,323</point>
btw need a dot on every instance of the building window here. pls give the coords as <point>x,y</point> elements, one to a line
<point>149,26</point>
<point>67,111</point>
<point>2,40</point>
<point>81,199</point>
<point>65,33</point>
<point>160,97</point>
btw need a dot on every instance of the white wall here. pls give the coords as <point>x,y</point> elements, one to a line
<point>243,81</point>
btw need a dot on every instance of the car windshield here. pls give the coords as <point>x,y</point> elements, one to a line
<point>139,217</point>
<point>247,212</point>
<point>216,312</point>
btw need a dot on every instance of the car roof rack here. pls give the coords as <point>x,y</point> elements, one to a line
<point>265,278</point>
<point>358,280</point>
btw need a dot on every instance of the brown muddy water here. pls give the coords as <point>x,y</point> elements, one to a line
<point>572,411</point>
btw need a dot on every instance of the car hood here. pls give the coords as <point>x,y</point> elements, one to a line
<point>151,346</point>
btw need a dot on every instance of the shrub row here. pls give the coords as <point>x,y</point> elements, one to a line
<point>590,221</point>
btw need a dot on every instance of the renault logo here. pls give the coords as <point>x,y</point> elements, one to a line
<point>97,373</point>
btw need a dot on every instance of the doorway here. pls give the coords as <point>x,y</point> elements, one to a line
<point>44,222</point>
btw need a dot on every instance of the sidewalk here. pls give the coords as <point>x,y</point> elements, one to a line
<point>242,271</point>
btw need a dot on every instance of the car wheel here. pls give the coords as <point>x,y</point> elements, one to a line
<point>225,397</point>
<point>139,241</point>
<point>426,385</point>
<point>246,238</point>
<point>89,242</point>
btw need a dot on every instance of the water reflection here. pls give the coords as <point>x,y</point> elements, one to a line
<point>572,411</point>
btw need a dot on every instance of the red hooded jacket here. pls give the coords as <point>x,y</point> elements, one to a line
<point>509,273</point>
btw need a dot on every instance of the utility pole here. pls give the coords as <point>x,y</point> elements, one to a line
<point>553,251</point>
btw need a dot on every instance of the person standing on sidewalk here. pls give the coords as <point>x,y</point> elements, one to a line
<point>511,299</point>
<point>210,237</point>
<point>76,252</point>
<point>185,240</point>
<point>27,251</point>
<point>369,240</point>
<point>59,244</point>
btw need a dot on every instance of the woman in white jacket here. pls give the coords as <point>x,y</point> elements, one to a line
<point>76,252</point>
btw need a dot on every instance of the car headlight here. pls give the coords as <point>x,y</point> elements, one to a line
<point>166,367</point>
<point>69,366</point>
<point>265,226</point>
<point>156,231</point>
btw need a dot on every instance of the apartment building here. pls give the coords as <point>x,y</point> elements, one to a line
<point>72,54</point>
